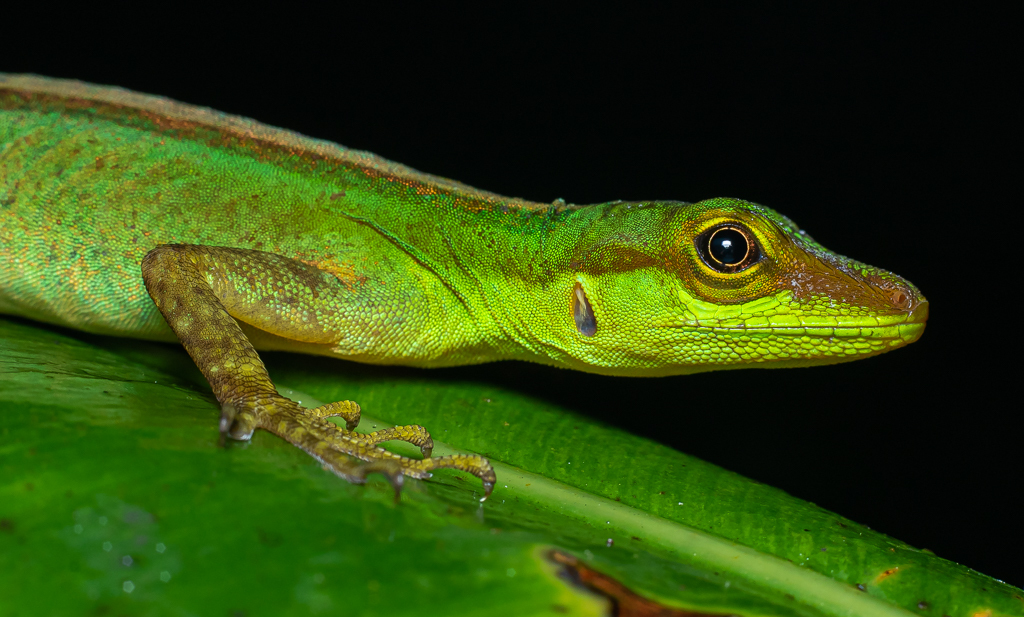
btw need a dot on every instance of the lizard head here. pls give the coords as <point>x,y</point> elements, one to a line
<point>668,288</point>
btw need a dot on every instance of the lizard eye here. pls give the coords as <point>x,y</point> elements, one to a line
<point>728,248</point>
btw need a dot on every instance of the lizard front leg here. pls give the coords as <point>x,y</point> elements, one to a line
<point>202,290</point>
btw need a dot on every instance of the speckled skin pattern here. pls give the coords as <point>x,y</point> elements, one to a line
<point>133,215</point>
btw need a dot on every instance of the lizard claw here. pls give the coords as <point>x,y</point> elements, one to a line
<point>237,426</point>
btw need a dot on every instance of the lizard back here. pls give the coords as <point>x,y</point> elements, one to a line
<point>92,178</point>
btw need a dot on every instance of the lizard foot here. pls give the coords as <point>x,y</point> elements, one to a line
<point>333,445</point>
<point>349,410</point>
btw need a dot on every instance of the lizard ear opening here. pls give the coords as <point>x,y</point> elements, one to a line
<point>583,313</point>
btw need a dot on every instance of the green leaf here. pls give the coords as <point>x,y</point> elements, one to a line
<point>115,497</point>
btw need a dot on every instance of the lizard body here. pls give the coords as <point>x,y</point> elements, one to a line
<point>132,215</point>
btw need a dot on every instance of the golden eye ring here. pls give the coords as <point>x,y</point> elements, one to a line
<point>728,248</point>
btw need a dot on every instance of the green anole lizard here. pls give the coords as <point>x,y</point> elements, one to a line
<point>133,215</point>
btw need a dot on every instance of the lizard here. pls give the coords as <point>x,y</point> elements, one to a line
<point>132,215</point>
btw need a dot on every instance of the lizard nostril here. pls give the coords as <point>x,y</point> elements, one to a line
<point>900,298</point>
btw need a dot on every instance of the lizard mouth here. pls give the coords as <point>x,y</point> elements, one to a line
<point>907,327</point>
<point>907,332</point>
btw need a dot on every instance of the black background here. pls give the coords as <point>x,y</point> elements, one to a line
<point>883,132</point>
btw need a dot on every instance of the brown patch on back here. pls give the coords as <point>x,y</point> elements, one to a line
<point>344,272</point>
<point>201,124</point>
<point>625,602</point>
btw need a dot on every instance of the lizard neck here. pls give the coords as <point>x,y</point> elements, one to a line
<point>529,268</point>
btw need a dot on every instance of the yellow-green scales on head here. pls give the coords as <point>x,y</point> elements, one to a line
<point>298,244</point>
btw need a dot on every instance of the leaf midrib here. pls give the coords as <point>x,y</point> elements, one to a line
<point>769,573</point>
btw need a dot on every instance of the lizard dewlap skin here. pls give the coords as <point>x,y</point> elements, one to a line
<point>133,215</point>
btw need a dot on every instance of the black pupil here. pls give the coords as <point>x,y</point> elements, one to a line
<point>728,246</point>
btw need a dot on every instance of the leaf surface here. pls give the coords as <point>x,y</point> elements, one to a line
<point>114,492</point>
